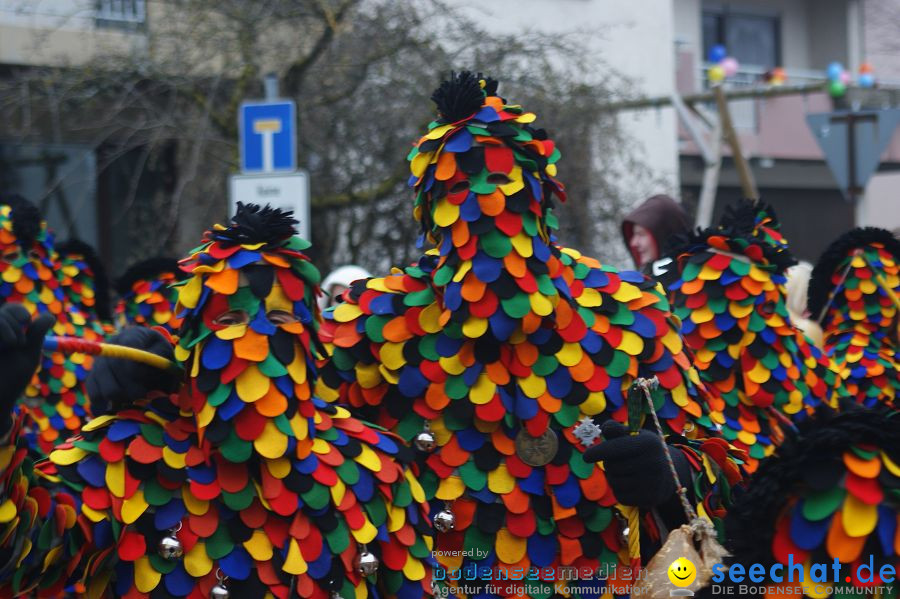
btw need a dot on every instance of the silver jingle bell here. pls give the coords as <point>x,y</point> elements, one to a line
<point>219,592</point>
<point>366,563</point>
<point>625,531</point>
<point>424,441</point>
<point>444,520</point>
<point>170,548</point>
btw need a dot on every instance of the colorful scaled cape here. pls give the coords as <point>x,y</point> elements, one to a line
<point>147,296</point>
<point>83,278</point>
<point>55,400</point>
<point>853,294</point>
<point>241,485</point>
<point>499,352</point>
<point>830,494</point>
<point>727,285</point>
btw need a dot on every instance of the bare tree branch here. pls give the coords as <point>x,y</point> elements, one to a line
<point>296,72</point>
<point>162,118</point>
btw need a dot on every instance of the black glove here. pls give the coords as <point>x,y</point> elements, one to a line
<point>636,466</point>
<point>20,353</point>
<point>116,382</point>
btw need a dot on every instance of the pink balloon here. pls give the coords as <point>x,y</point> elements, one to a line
<point>845,77</point>
<point>730,66</point>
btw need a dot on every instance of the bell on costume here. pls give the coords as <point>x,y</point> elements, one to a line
<point>366,562</point>
<point>626,528</point>
<point>445,520</point>
<point>220,591</point>
<point>170,547</point>
<point>425,440</point>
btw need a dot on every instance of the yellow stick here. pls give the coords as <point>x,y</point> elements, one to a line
<point>136,355</point>
<point>70,345</point>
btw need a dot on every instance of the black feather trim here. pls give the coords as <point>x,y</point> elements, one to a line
<point>736,226</point>
<point>258,224</point>
<point>147,270</point>
<point>26,218</point>
<point>740,216</point>
<point>490,85</point>
<point>750,524</point>
<point>101,281</point>
<point>461,96</point>
<point>820,285</point>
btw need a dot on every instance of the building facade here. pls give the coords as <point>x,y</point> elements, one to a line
<point>658,45</point>
<point>662,45</point>
<point>803,37</point>
<point>64,173</point>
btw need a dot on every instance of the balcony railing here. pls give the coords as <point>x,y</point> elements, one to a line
<point>745,113</point>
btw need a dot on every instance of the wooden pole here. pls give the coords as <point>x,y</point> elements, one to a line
<point>748,185</point>
<point>712,159</point>
<point>711,168</point>
<point>733,94</point>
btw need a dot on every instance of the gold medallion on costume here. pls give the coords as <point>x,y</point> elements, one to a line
<point>536,451</point>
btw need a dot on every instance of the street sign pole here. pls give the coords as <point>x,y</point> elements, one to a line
<point>856,193</point>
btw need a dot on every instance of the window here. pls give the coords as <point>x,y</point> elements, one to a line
<point>129,14</point>
<point>752,39</point>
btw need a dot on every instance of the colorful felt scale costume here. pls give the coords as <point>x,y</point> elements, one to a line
<point>147,296</point>
<point>83,278</point>
<point>29,274</point>
<point>498,353</point>
<point>853,294</point>
<point>242,485</point>
<point>727,284</point>
<point>832,493</point>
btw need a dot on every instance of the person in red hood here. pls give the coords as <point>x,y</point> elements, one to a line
<point>647,228</point>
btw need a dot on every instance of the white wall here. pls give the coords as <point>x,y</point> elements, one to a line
<point>57,33</point>
<point>882,202</point>
<point>882,49</point>
<point>688,32</point>
<point>881,18</point>
<point>48,14</point>
<point>832,34</point>
<point>634,37</point>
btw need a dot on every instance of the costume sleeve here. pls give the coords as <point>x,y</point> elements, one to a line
<point>42,544</point>
<point>716,472</point>
<point>712,476</point>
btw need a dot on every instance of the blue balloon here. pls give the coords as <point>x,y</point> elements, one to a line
<point>834,71</point>
<point>717,53</point>
<point>866,80</point>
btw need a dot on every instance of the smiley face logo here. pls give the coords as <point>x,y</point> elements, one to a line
<point>682,572</point>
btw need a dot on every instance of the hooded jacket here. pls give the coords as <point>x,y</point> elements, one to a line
<point>662,215</point>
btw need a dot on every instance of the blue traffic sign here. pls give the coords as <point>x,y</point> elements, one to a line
<point>267,137</point>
